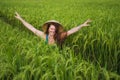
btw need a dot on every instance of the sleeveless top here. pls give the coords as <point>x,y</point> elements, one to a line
<point>46,38</point>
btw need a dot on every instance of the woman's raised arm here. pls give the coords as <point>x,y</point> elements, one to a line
<point>29,26</point>
<point>75,29</point>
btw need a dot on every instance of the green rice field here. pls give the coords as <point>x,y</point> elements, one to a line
<point>93,53</point>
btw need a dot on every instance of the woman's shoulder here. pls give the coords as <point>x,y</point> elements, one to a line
<point>63,35</point>
<point>44,36</point>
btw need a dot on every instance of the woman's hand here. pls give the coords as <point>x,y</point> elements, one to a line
<point>75,29</point>
<point>17,16</point>
<point>29,26</point>
<point>86,23</point>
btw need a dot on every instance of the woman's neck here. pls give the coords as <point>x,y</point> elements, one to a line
<point>51,39</point>
<point>50,36</point>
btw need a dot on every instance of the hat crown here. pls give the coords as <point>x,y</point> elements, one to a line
<point>52,21</point>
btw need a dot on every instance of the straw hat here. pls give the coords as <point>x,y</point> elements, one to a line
<point>45,25</point>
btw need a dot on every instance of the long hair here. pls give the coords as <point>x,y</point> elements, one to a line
<point>59,37</point>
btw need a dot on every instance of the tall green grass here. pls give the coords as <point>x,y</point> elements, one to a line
<point>90,54</point>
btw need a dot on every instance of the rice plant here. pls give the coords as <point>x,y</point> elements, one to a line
<point>93,53</point>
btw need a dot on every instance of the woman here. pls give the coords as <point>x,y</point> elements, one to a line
<point>52,30</point>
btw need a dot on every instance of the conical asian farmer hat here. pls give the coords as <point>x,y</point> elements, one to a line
<point>45,25</point>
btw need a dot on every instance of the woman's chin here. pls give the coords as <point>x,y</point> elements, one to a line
<point>52,34</point>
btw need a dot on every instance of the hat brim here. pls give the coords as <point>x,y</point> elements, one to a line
<point>45,25</point>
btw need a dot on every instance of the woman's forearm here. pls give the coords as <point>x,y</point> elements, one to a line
<point>27,25</point>
<point>31,28</point>
<point>73,30</point>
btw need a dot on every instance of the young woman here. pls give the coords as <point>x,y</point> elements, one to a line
<point>53,32</point>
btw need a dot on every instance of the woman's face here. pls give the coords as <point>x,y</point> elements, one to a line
<point>52,30</point>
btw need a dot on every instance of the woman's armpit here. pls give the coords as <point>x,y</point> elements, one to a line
<point>63,35</point>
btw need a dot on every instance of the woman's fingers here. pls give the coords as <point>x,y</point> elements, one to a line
<point>86,23</point>
<point>89,20</point>
<point>17,15</point>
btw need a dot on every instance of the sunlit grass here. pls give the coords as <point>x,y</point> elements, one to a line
<point>93,53</point>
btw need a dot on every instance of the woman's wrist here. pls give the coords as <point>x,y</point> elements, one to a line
<point>20,19</point>
<point>81,26</point>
